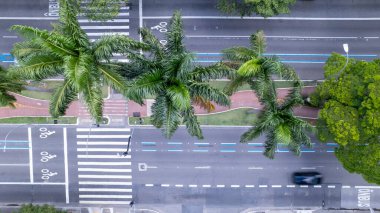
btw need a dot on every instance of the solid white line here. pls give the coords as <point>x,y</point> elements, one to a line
<point>249,186</point>
<point>255,167</point>
<point>103,170</point>
<point>104,190</point>
<point>148,184</point>
<point>202,167</point>
<point>28,18</point>
<point>106,176</point>
<point>290,186</point>
<point>317,186</point>
<point>103,130</point>
<point>235,186</point>
<point>104,202</point>
<point>16,164</point>
<point>193,186</point>
<point>330,186</point>
<point>30,155</point>
<point>206,186</point>
<point>106,196</point>
<point>178,185</point>
<point>107,33</point>
<point>104,183</point>
<point>308,168</point>
<point>276,186</point>
<point>263,186</point>
<point>103,136</point>
<point>100,149</point>
<point>269,18</point>
<point>288,37</point>
<point>29,183</point>
<point>103,27</point>
<point>9,36</point>
<point>102,143</point>
<point>102,156</point>
<point>220,186</point>
<point>165,185</point>
<point>304,186</point>
<point>115,20</point>
<point>367,187</point>
<point>140,17</point>
<point>105,163</point>
<point>66,165</point>
<point>346,187</point>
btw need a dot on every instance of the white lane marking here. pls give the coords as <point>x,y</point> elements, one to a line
<point>103,170</point>
<point>121,20</point>
<point>108,33</point>
<point>28,18</point>
<point>104,190</point>
<point>346,187</point>
<point>29,183</point>
<point>105,163</point>
<point>206,186</point>
<point>103,143</point>
<point>308,168</point>
<point>140,16</point>
<point>104,183</point>
<point>330,186</point>
<point>148,184</point>
<point>367,187</point>
<point>106,196</point>
<point>66,164</point>
<point>249,186</point>
<point>30,155</point>
<point>304,186</point>
<point>263,186</point>
<point>102,156</point>
<point>100,149</point>
<point>104,27</point>
<point>270,18</point>
<point>103,129</point>
<point>290,186</point>
<point>103,136</point>
<point>235,186</point>
<point>220,186</point>
<point>104,202</point>
<point>193,186</point>
<point>276,186</point>
<point>165,185</point>
<point>9,36</point>
<point>255,167</point>
<point>317,186</point>
<point>288,37</point>
<point>178,185</point>
<point>106,176</point>
<point>202,167</point>
<point>16,164</point>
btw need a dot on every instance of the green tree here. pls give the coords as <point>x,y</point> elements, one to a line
<point>276,120</point>
<point>67,51</point>
<point>101,10</point>
<point>8,85</point>
<point>350,114</point>
<point>171,76</point>
<point>264,8</point>
<point>30,208</point>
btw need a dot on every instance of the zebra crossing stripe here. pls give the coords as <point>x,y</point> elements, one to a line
<point>106,176</point>
<point>103,129</point>
<point>104,190</point>
<point>114,20</point>
<point>106,196</point>
<point>103,170</point>
<point>104,202</point>
<point>102,156</point>
<point>108,33</point>
<point>103,136</point>
<point>105,163</point>
<point>101,149</point>
<point>105,183</point>
<point>102,143</point>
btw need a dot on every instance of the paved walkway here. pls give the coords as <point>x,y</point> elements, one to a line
<point>118,108</point>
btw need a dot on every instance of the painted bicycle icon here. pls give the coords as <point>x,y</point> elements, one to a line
<point>45,133</point>
<point>161,27</point>
<point>45,157</point>
<point>46,174</point>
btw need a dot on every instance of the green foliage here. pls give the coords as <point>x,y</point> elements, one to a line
<point>276,120</point>
<point>264,8</point>
<point>169,73</point>
<point>350,114</point>
<point>30,208</point>
<point>7,85</point>
<point>67,51</point>
<point>101,10</point>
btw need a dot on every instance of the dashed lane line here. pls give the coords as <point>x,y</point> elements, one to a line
<point>249,186</point>
<point>276,186</point>
<point>220,186</point>
<point>235,186</point>
<point>193,186</point>
<point>263,186</point>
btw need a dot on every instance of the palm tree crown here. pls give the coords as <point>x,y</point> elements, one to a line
<point>171,75</point>
<point>67,51</point>
<point>8,85</point>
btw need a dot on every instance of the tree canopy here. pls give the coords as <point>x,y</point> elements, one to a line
<point>8,85</point>
<point>350,113</point>
<point>101,10</point>
<point>264,8</point>
<point>30,208</point>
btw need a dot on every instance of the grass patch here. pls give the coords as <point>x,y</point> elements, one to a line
<point>36,94</point>
<point>38,120</point>
<point>279,84</point>
<point>237,117</point>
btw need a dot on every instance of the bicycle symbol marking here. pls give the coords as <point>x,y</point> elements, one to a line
<point>161,27</point>
<point>45,157</point>
<point>46,174</point>
<point>45,133</point>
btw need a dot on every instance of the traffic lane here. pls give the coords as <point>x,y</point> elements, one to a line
<point>320,8</point>
<point>11,194</point>
<point>304,28</point>
<point>26,8</point>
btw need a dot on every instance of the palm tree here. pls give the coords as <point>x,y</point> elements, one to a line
<point>279,124</point>
<point>171,75</point>
<point>8,85</point>
<point>67,51</point>
<point>276,119</point>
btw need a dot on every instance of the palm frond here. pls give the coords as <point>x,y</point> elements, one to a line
<point>251,134</point>
<point>258,42</point>
<point>236,82</point>
<point>238,54</point>
<point>192,124</point>
<point>146,84</point>
<point>270,145</point>
<point>205,104</point>
<point>113,79</point>
<point>92,95</point>
<point>175,35</point>
<point>250,69</point>
<point>155,47</point>
<point>215,71</point>
<point>24,49</point>
<point>179,96</point>
<point>208,93</point>
<point>61,99</point>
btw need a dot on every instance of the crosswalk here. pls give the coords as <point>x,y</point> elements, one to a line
<point>105,176</point>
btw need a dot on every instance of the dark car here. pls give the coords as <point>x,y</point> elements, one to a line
<point>307,178</point>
